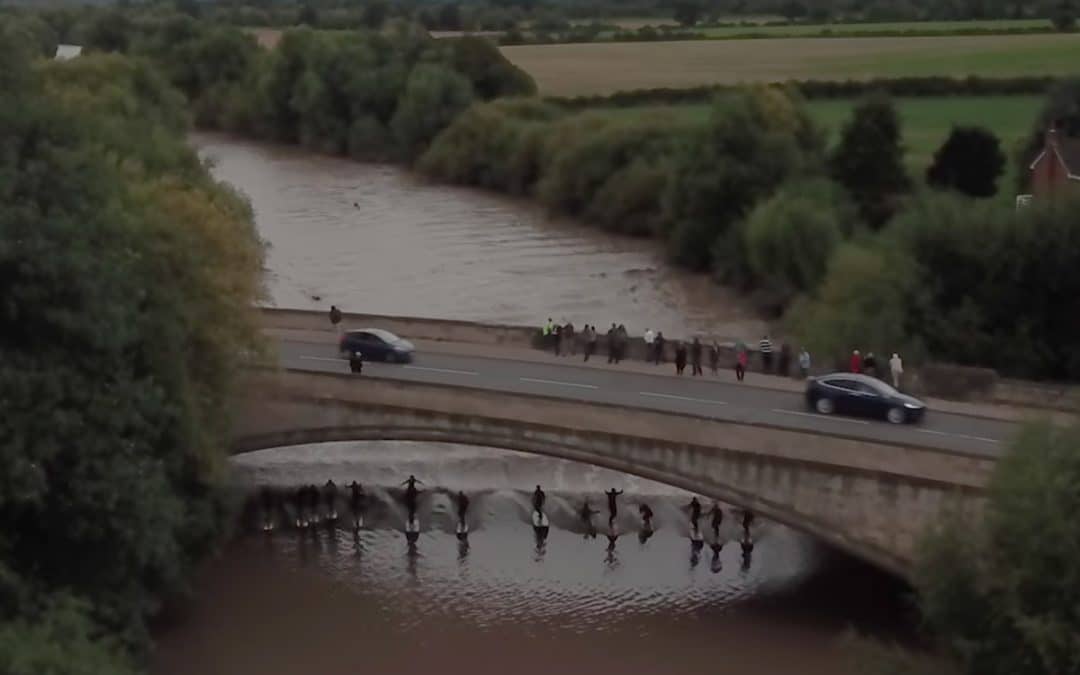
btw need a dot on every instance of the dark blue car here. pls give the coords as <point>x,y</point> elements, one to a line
<point>375,344</point>
<point>861,395</point>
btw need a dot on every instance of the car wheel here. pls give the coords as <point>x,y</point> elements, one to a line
<point>825,406</point>
<point>896,416</point>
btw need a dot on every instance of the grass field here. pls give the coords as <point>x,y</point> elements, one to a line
<point>926,121</point>
<point>889,27</point>
<point>602,68</point>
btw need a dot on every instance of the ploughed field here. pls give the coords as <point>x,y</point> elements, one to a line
<point>602,68</point>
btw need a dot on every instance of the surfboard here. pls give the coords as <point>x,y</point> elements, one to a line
<point>358,522</point>
<point>539,519</point>
<point>462,528</point>
<point>412,525</point>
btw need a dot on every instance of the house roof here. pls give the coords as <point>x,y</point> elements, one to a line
<point>65,52</point>
<point>1067,151</point>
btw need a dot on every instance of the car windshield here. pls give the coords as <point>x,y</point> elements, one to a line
<point>384,335</point>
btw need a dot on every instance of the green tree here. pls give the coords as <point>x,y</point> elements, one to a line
<point>687,12</point>
<point>790,237</point>
<point>308,16</point>
<point>491,74</point>
<point>375,13</point>
<point>1064,16</point>
<point>59,640</point>
<point>869,160</point>
<point>970,161</point>
<point>433,97</point>
<point>1001,592</point>
<point>755,139</point>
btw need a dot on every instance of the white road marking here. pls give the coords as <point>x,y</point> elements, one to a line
<point>321,358</point>
<point>970,438</point>
<point>820,417</point>
<point>680,398</point>
<point>559,384</point>
<point>441,370</point>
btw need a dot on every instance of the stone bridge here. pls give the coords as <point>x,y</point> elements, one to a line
<point>870,498</point>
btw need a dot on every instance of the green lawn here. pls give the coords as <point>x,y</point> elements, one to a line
<point>926,121</point>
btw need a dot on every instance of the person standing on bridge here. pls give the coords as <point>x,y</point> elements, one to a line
<point>742,358</point>
<point>680,358</point>
<point>612,345</point>
<point>869,364</point>
<point>621,339</point>
<point>658,348</point>
<point>765,347</point>
<point>590,341</point>
<point>356,362</point>
<point>567,336</point>
<point>856,362</point>
<point>335,318</point>
<point>650,340</point>
<point>896,367</point>
<point>804,363</point>
<point>714,358</point>
<point>613,509</point>
<point>695,357</point>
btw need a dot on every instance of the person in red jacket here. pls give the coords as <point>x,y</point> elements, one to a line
<point>856,361</point>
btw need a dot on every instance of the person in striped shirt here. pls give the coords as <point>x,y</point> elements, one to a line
<point>765,347</point>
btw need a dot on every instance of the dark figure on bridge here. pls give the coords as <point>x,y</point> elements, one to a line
<point>590,341</point>
<point>356,362</point>
<point>680,357</point>
<point>358,504</point>
<point>613,509</point>
<point>586,518</point>
<point>717,515</point>
<point>714,358</point>
<point>612,344</point>
<point>538,500</point>
<point>658,348</point>
<point>621,338</point>
<point>695,357</point>
<point>411,495</point>
<point>568,337</point>
<point>330,495</point>
<point>335,318</point>
<point>747,520</point>
<point>695,512</point>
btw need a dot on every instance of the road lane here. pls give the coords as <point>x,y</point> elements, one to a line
<point>695,396</point>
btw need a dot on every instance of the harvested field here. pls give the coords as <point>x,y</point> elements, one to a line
<point>603,68</point>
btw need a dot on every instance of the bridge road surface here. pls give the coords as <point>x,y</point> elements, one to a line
<point>699,396</point>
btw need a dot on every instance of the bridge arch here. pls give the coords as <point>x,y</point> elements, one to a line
<point>872,500</point>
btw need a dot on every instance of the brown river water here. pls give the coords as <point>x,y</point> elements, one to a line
<point>330,602</point>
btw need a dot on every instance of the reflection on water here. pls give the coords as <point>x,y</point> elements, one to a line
<point>372,238</point>
<point>332,600</point>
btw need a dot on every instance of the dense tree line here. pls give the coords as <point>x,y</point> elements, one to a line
<point>128,278</point>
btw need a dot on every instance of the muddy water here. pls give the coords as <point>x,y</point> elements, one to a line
<point>374,238</point>
<point>371,238</point>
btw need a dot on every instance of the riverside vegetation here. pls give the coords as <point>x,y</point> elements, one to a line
<point>886,263</point>
<point>128,278</point>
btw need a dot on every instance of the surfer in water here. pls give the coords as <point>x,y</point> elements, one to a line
<point>411,495</point>
<point>358,504</point>
<point>538,500</point>
<point>300,497</point>
<point>716,547</point>
<point>717,516</point>
<point>613,509</point>
<point>747,552</point>
<point>586,518</point>
<point>646,516</point>
<point>313,504</point>
<point>330,495</point>
<point>267,498</point>
<point>462,503</point>
<point>695,512</point>
<point>747,521</point>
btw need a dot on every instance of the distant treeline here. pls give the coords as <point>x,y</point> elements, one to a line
<point>907,87</point>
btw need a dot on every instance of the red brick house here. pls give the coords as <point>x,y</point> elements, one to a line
<point>1056,169</point>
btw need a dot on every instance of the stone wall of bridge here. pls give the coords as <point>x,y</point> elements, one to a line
<point>872,499</point>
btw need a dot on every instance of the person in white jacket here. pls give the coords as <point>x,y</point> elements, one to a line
<point>896,366</point>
